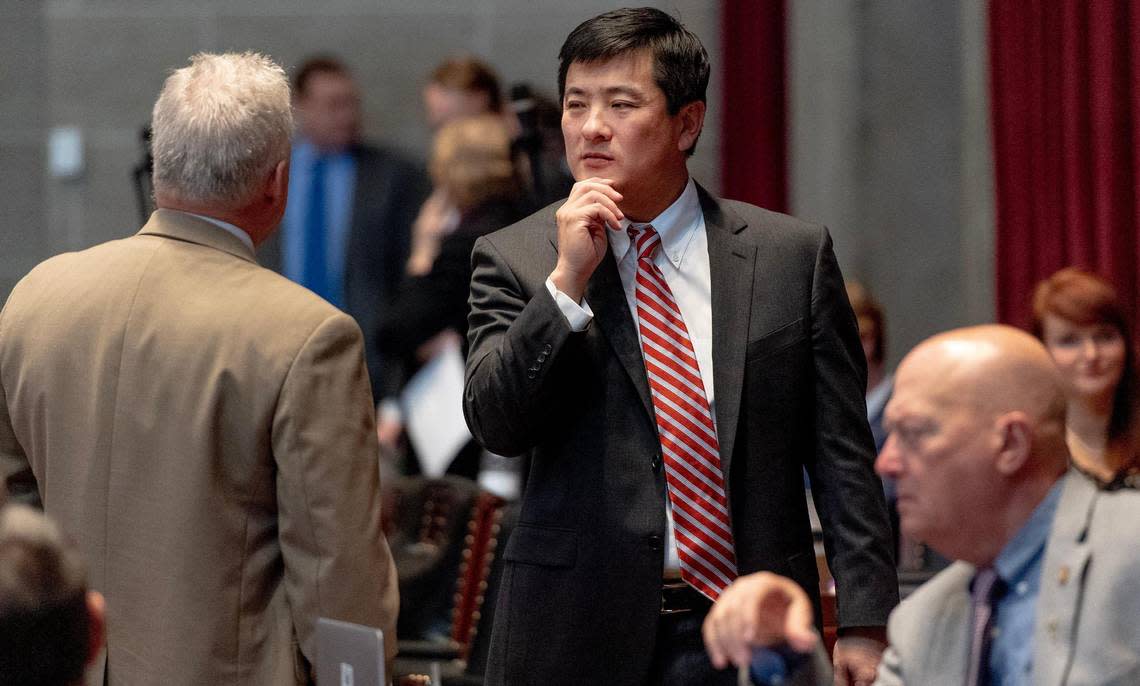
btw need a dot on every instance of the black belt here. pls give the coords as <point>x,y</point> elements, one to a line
<point>678,597</point>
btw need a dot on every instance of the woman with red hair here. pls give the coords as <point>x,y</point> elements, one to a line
<point>1081,321</point>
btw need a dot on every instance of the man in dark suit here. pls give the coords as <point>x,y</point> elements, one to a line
<point>671,362</point>
<point>346,230</point>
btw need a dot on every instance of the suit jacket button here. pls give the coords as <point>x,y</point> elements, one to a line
<point>655,463</point>
<point>654,541</point>
<point>531,373</point>
<point>547,349</point>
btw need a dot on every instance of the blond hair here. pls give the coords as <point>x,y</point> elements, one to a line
<point>471,160</point>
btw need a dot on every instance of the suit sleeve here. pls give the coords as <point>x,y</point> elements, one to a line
<point>19,481</point>
<point>337,562</point>
<point>847,493</point>
<point>516,340</point>
<point>15,470</point>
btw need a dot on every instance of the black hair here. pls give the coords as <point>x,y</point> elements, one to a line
<point>680,63</point>
<point>318,64</point>
<point>44,622</point>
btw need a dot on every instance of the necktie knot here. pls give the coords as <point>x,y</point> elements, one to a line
<point>646,240</point>
<point>985,586</point>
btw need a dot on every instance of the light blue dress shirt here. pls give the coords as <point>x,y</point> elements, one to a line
<point>340,186</point>
<point>1019,567</point>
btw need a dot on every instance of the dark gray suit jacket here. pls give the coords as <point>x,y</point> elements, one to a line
<point>580,592</point>
<point>389,192</point>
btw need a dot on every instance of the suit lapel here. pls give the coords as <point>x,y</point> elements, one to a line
<point>732,263</point>
<point>951,621</point>
<point>1067,556</point>
<point>606,297</point>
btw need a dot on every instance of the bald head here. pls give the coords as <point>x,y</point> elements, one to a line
<point>977,438</point>
<point>993,369</point>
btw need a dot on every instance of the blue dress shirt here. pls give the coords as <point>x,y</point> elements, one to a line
<point>1019,567</point>
<point>340,186</point>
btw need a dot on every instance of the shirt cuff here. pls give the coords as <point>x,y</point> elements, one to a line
<point>578,315</point>
<point>389,409</point>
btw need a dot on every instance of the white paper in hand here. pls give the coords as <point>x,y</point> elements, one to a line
<point>432,402</point>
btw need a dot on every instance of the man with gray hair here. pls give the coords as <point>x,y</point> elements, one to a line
<point>51,626</point>
<point>202,425</point>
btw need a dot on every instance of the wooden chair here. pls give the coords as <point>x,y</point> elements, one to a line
<point>458,530</point>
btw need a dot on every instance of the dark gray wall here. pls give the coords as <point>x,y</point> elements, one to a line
<point>888,112</point>
<point>97,65</point>
<point>23,112</point>
<point>890,148</point>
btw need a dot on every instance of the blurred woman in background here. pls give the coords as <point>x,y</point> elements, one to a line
<point>478,190</point>
<point>1081,321</point>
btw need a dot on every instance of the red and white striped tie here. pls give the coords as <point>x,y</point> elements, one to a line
<point>685,427</point>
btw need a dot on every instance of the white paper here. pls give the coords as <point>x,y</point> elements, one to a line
<point>433,410</point>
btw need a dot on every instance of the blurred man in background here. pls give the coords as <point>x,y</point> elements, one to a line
<point>346,232</point>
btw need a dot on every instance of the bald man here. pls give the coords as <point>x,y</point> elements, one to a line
<point>976,444</point>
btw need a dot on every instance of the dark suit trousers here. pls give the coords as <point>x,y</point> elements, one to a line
<point>679,656</point>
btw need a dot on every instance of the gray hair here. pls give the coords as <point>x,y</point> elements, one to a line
<point>44,622</point>
<point>219,126</point>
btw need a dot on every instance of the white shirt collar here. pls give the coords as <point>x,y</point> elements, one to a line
<point>241,234</point>
<point>676,226</point>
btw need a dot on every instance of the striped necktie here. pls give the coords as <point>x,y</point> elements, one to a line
<point>685,427</point>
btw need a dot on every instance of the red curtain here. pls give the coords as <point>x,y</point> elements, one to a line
<point>1065,88</point>
<point>754,147</point>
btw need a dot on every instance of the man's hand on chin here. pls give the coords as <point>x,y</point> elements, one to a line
<point>582,242</point>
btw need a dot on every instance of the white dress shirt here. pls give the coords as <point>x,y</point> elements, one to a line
<point>684,261</point>
<point>235,230</point>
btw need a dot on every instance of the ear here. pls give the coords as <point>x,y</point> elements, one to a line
<point>692,118</point>
<point>96,624</point>
<point>277,185</point>
<point>1015,433</point>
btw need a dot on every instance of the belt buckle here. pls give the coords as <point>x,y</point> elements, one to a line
<point>669,588</point>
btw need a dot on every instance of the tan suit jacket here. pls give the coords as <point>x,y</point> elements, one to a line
<point>203,427</point>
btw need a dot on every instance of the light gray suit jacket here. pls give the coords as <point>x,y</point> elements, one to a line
<point>203,428</point>
<point>1088,611</point>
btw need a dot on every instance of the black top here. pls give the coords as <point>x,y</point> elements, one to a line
<point>427,304</point>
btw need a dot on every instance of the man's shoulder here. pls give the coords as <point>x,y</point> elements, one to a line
<point>373,154</point>
<point>1111,509</point>
<point>947,588</point>
<point>287,301</point>
<point>759,222</point>
<point>534,231</point>
<point>99,262</point>
<point>109,267</point>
